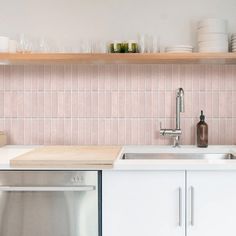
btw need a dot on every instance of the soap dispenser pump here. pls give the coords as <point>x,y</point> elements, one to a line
<point>202,132</point>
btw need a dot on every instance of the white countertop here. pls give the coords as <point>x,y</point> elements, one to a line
<point>12,151</point>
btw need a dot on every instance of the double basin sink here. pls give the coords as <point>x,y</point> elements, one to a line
<point>178,156</point>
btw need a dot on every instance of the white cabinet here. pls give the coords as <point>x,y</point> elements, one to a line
<point>143,203</point>
<point>211,203</point>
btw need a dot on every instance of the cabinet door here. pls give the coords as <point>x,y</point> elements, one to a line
<point>143,203</point>
<point>211,203</point>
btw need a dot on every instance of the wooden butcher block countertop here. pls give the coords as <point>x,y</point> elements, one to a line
<point>68,157</point>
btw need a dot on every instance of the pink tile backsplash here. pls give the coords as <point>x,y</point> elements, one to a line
<point>114,104</point>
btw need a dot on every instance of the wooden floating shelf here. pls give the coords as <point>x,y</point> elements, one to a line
<point>158,58</point>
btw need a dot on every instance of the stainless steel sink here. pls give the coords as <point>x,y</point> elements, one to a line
<point>178,156</point>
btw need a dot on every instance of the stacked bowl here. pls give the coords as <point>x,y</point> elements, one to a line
<point>233,42</point>
<point>212,36</point>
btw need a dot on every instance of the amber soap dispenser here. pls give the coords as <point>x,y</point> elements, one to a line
<point>202,132</point>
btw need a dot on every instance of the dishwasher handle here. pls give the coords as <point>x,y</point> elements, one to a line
<point>47,188</point>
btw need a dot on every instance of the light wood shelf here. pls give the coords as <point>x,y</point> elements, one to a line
<point>158,58</point>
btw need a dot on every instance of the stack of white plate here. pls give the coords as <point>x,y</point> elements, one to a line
<point>179,49</point>
<point>212,36</point>
<point>233,42</point>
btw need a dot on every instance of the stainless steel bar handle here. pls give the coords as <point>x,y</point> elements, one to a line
<point>192,205</point>
<point>47,188</point>
<point>180,207</point>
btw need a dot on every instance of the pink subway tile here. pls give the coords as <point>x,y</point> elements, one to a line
<point>229,77</point>
<point>67,132</point>
<point>47,77</point>
<point>135,131</point>
<point>40,104</point>
<point>27,131</point>
<point>74,132</point>
<point>114,132</point>
<point>169,104</point>
<point>121,132</point>
<point>122,104</point>
<point>38,77</point>
<point>35,131</point>
<point>114,104</point>
<point>101,131</point>
<point>140,73</point>
<point>108,132</point>
<point>94,77</point>
<point>189,131</point>
<point>17,136</point>
<point>94,132</point>
<point>134,105</point>
<point>74,77</point>
<point>1,104</point>
<point>10,104</point>
<point>87,131</point>
<point>57,132</point>
<point>148,131</point>
<point>47,132</point>
<point>67,77</point>
<point>40,131</point>
<point>20,104</point>
<point>47,104</point>
<point>84,76</point>
<point>2,82</point>
<point>54,101</point>
<point>94,104</point>
<point>225,104</point>
<point>74,104</point>
<point>87,104</point>
<point>215,104</point>
<point>215,76</point>
<point>128,131</point>
<point>188,100</point>
<point>176,76</point>
<point>161,105</point>
<point>57,77</point>
<point>148,104</point>
<point>186,77</point>
<point>141,104</point>
<point>81,131</point>
<point>216,127</point>
<point>102,104</point>
<point>121,77</point>
<point>81,106</point>
<point>67,104</point>
<point>128,105</point>
<point>16,77</point>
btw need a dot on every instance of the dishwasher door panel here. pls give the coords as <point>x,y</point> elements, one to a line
<point>48,213</point>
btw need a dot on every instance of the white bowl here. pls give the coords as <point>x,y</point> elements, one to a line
<point>4,44</point>
<point>213,49</point>
<point>214,44</point>
<point>212,37</point>
<point>212,29</point>
<point>212,22</point>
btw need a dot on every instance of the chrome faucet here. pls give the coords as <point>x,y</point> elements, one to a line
<point>176,133</point>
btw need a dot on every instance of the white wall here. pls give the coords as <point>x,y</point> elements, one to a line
<point>68,20</point>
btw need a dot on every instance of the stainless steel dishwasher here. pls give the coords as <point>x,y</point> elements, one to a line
<point>50,203</point>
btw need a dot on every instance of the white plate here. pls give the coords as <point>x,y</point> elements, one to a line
<point>179,51</point>
<point>180,47</point>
